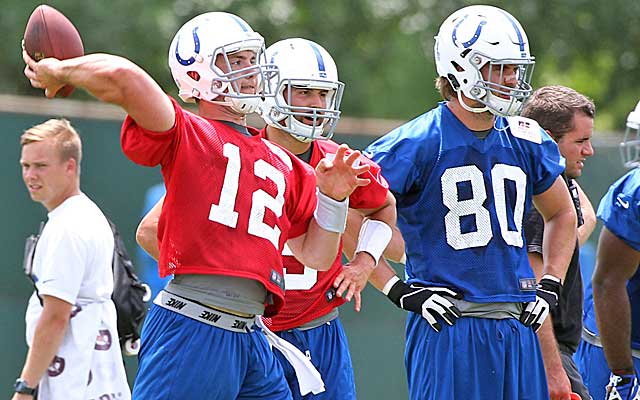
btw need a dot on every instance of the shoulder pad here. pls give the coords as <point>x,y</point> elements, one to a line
<point>525,128</point>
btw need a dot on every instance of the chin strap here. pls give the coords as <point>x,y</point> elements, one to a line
<point>468,107</point>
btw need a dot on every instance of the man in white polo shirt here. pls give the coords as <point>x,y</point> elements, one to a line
<point>71,320</point>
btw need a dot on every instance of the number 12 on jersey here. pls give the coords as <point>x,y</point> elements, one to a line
<point>225,211</point>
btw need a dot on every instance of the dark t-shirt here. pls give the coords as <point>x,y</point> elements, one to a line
<point>567,318</point>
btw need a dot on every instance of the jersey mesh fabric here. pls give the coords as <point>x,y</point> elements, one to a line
<point>231,203</point>
<point>619,210</point>
<point>310,294</point>
<point>461,201</point>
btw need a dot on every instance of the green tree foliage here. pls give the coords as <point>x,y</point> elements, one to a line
<point>383,48</point>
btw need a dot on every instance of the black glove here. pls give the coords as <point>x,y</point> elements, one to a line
<point>426,301</point>
<point>547,295</point>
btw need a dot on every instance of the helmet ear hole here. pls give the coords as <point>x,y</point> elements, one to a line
<point>454,81</point>
<point>194,75</point>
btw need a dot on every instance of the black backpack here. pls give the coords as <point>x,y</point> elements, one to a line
<point>130,294</point>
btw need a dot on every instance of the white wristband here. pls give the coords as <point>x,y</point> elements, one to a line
<point>373,238</point>
<point>387,286</point>
<point>331,214</point>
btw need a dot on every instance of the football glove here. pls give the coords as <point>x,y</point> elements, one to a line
<point>426,301</point>
<point>547,295</point>
<point>622,387</point>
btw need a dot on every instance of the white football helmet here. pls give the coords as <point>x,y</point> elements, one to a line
<point>479,35</point>
<point>630,146</point>
<point>192,57</point>
<point>303,64</point>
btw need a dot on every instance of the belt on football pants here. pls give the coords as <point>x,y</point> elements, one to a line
<point>205,314</point>
<point>309,379</point>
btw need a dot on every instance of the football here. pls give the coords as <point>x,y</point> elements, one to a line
<point>50,34</point>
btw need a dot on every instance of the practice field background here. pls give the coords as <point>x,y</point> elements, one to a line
<point>376,334</point>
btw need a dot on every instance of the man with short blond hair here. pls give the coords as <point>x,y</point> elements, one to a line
<point>66,138</point>
<point>71,320</point>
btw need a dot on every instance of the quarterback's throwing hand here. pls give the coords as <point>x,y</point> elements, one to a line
<point>547,295</point>
<point>426,301</point>
<point>337,176</point>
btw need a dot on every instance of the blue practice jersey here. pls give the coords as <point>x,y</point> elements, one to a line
<point>461,200</point>
<point>619,210</point>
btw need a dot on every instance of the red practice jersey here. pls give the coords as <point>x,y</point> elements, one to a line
<point>310,293</point>
<point>232,200</point>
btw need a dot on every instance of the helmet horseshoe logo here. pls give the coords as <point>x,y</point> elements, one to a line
<point>196,41</point>
<point>474,38</point>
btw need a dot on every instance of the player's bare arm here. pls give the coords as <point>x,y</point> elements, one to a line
<point>560,220</point>
<point>559,241</point>
<point>363,266</point>
<point>147,231</point>
<point>386,213</point>
<point>616,263</point>
<point>109,78</point>
<point>557,379</point>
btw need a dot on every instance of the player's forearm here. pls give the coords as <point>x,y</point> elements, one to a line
<point>395,249</point>
<point>557,379</point>
<point>319,248</point>
<point>559,242</point>
<point>549,347</point>
<point>118,81</point>
<point>381,275</point>
<point>613,317</point>
<point>351,233</point>
<point>47,338</point>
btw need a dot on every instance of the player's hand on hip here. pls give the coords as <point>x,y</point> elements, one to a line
<point>430,302</point>
<point>547,295</point>
<point>40,74</point>
<point>354,278</point>
<point>338,177</point>
<point>622,387</point>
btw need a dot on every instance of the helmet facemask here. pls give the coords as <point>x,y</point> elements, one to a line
<point>227,84</point>
<point>497,98</point>
<point>307,123</point>
<point>630,146</point>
